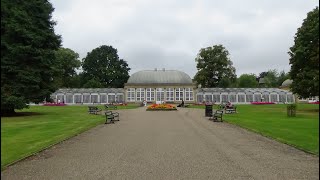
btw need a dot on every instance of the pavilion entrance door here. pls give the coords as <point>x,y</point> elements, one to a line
<point>160,94</point>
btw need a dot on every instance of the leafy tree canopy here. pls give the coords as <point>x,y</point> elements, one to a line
<point>247,81</point>
<point>304,57</point>
<point>272,78</point>
<point>67,61</point>
<point>28,43</point>
<point>214,67</point>
<point>103,65</point>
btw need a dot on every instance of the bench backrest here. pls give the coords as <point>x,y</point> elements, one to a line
<point>93,107</point>
<point>219,112</point>
<point>108,113</point>
<point>111,107</point>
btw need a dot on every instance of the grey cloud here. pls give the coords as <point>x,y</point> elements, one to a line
<point>169,34</point>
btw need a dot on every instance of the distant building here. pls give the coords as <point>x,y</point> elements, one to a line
<point>159,85</point>
<point>171,86</point>
<point>286,86</point>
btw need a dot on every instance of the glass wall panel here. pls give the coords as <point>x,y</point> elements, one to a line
<point>216,98</point>
<point>282,98</point>
<point>140,94</point>
<point>112,98</point>
<point>224,98</point>
<point>241,98</point>
<point>150,94</point>
<point>257,97</point>
<point>273,97</point>
<point>69,98</point>
<point>120,98</point>
<point>199,98</point>
<point>60,97</point>
<point>290,98</point>
<point>160,94</point>
<point>170,94</point>
<point>179,94</point>
<point>249,97</point>
<point>208,97</point>
<point>78,98</point>
<point>86,98</point>
<point>232,98</point>
<point>189,94</point>
<point>103,98</point>
<point>265,97</point>
<point>94,98</point>
<point>130,93</point>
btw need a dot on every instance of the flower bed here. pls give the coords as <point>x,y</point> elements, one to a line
<point>261,103</point>
<point>161,107</point>
<point>316,102</point>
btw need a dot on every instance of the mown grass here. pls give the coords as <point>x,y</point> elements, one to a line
<point>301,131</point>
<point>38,127</point>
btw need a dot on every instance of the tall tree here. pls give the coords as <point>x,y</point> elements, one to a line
<point>214,67</point>
<point>304,57</point>
<point>248,81</point>
<point>103,65</point>
<point>271,78</point>
<point>28,43</point>
<point>67,62</point>
<point>282,77</point>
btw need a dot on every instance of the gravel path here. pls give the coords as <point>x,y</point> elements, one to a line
<point>176,145</point>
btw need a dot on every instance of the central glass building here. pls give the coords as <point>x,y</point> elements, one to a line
<point>158,86</point>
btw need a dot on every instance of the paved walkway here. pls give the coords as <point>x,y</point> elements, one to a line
<point>167,145</point>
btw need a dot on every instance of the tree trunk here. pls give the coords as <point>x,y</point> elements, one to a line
<point>7,112</point>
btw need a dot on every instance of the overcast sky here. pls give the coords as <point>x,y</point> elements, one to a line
<point>168,34</point>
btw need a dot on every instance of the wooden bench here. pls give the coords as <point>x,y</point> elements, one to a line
<point>110,106</point>
<point>217,116</point>
<point>111,117</point>
<point>93,110</point>
<point>230,110</point>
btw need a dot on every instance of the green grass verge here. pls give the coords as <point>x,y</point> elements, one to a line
<point>301,131</point>
<point>39,127</point>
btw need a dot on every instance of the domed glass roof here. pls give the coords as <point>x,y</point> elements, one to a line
<point>286,83</point>
<point>159,77</point>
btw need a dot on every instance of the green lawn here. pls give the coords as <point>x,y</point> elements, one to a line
<point>41,126</point>
<point>301,131</point>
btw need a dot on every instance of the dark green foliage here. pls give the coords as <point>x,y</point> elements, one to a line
<point>214,67</point>
<point>272,78</point>
<point>103,65</point>
<point>28,43</point>
<point>67,61</point>
<point>291,110</point>
<point>282,77</point>
<point>304,57</point>
<point>92,83</point>
<point>247,81</point>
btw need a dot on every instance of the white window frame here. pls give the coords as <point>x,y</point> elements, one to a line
<point>95,94</point>
<point>189,94</point>
<point>150,94</point>
<point>140,94</point>
<point>160,91</point>
<point>241,94</point>
<point>170,94</point>
<point>179,94</point>
<point>130,95</point>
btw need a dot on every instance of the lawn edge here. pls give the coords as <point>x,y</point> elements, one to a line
<point>272,138</point>
<point>49,146</point>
